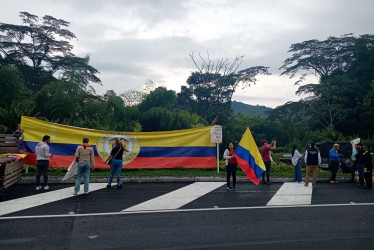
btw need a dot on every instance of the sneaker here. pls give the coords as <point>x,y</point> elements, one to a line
<point>336,182</point>
<point>75,193</point>
<point>86,192</point>
<point>332,182</point>
<point>108,186</point>
<point>233,189</point>
<point>38,188</point>
<point>229,188</point>
<point>46,187</point>
<point>119,186</point>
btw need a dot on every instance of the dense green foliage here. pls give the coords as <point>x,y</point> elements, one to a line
<point>39,76</point>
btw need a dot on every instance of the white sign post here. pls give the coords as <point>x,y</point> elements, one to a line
<point>216,137</point>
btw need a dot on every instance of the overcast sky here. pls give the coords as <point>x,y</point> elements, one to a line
<point>130,41</point>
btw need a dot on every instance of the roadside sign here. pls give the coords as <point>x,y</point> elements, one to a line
<point>216,134</point>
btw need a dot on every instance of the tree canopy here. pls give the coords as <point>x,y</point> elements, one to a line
<point>40,48</point>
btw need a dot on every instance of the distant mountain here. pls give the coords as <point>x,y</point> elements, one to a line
<point>240,107</point>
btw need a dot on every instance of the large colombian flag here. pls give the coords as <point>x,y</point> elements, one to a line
<point>249,158</point>
<point>188,148</point>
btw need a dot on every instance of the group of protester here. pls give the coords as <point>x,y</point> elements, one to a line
<point>84,156</point>
<point>362,162</point>
<point>231,163</point>
<point>361,157</point>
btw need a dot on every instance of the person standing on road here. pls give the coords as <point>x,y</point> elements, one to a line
<point>354,165</point>
<point>265,153</point>
<point>360,164</point>
<point>296,163</point>
<point>116,164</point>
<point>42,158</point>
<point>85,158</point>
<point>231,166</point>
<point>312,159</point>
<point>334,162</point>
<point>368,165</point>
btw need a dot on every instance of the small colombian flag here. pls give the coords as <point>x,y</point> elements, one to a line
<point>249,158</point>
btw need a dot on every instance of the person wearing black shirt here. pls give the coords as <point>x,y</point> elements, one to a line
<point>116,162</point>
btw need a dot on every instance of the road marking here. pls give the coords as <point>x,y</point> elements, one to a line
<point>177,198</point>
<point>43,198</point>
<point>292,193</point>
<point>182,211</point>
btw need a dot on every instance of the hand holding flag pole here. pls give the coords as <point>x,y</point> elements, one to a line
<point>249,158</point>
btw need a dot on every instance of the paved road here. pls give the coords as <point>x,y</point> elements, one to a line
<point>338,217</point>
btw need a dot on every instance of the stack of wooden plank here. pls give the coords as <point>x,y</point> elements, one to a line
<point>10,169</point>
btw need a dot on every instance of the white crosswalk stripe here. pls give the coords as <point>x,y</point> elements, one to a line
<point>177,198</point>
<point>16,205</point>
<point>292,194</point>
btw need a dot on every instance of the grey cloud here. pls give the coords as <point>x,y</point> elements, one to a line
<point>125,63</point>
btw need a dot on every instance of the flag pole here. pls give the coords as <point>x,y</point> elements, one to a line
<point>218,158</point>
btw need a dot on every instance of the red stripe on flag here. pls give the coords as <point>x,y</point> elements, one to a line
<point>139,162</point>
<point>249,172</point>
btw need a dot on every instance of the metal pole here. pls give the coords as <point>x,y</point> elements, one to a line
<point>218,158</point>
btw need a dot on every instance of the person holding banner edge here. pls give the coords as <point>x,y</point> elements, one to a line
<point>116,162</point>
<point>231,166</point>
<point>85,158</point>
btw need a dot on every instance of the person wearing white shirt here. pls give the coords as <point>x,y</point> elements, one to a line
<point>42,158</point>
<point>296,163</point>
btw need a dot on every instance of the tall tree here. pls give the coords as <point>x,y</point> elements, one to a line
<point>321,58</point>
<point>211,87</point>
<point>42,46</point>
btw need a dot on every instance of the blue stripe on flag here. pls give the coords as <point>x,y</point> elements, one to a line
<point>69,149</point>
<point>247,156</point>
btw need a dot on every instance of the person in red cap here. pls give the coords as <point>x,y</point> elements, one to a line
<point>265,153</point>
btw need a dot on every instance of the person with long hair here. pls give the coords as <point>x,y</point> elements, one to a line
<point>296,163</point>
<point>231,166</point>
<point>85,158</point>
<point>116,164</point>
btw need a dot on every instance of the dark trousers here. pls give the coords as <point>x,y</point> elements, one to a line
<point>334,169</point>
<point>231,170</point>
<point>354,169</point>
<point>267,166</point>
<point>360,170</point>
<point>369,178</point>
<point>42,166</point>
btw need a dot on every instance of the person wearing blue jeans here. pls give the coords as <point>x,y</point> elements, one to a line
<point>85,158</point>
<point>116,161</point>
<point>115,168</point>
<point>83,167</point>
<point>296,162</point>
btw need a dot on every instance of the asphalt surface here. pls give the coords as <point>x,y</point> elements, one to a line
<point>340,216</point>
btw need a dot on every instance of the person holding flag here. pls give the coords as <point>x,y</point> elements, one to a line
<point>249,158</point>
